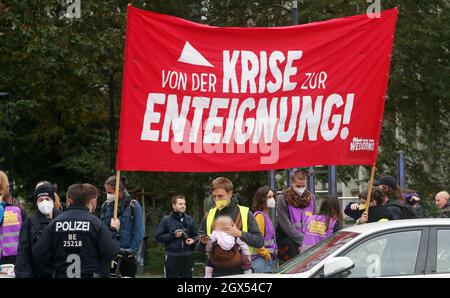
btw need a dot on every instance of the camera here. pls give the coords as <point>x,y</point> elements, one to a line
<point>184,233</point>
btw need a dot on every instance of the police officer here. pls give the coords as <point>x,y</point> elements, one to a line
<point>32,228</point>
<point>76,243</point>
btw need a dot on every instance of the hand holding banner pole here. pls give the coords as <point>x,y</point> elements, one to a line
<point>369,192</point>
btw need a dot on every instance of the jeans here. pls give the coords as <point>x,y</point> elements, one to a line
<point>260,265</point>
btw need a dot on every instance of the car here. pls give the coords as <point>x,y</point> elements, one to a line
<point>412,248</point>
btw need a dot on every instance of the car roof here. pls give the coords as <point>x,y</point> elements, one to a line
<point>393,224</point>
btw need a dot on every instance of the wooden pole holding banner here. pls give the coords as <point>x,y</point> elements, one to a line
<point>116,205</point>
<point>116,198</point>
<point>369,192</point>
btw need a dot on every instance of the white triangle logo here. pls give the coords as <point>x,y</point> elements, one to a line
<point>190,55</point>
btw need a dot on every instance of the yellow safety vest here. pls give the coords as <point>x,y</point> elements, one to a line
<point>210,218</point>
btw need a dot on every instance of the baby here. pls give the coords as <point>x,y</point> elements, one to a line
<point>226,251</point>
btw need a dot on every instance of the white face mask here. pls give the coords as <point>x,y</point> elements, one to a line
<point>46,207</point>
<point>271,203</point>
<point>299,190</point>
<point>110,197</point>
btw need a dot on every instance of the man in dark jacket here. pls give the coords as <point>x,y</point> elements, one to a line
<point>249,232</point>
<point>76,243</point>
<point>31,230</point>
<point>178,233</point>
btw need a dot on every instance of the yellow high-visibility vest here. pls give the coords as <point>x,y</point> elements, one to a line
<point>210,218</point>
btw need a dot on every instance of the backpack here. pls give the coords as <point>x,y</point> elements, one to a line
<point>408,212</point>
<point>128,203</point>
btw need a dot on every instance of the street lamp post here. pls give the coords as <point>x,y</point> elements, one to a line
<point>294,11</point>
<point>7,97</point>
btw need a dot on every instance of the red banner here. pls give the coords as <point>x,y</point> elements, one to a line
<point>201,99</point>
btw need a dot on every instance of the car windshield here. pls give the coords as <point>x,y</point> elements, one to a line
<point>313,255</point>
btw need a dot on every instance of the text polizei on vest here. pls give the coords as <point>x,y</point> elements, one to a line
<point>72,226</point>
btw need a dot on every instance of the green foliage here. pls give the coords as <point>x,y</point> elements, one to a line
<point>156,257</point>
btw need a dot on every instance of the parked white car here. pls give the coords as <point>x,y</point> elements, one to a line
<point>399,248</point>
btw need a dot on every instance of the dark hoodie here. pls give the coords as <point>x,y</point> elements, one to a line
<point>400,209</point>
<point>30,232</point>
<point>376,213</point>
<point>355,214</point>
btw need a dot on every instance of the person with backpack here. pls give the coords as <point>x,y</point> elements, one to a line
<point>323,225</point>
<point>396,203</point>
<point>129,227</point>
<point>32,228</point>
<point>177,231</point>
